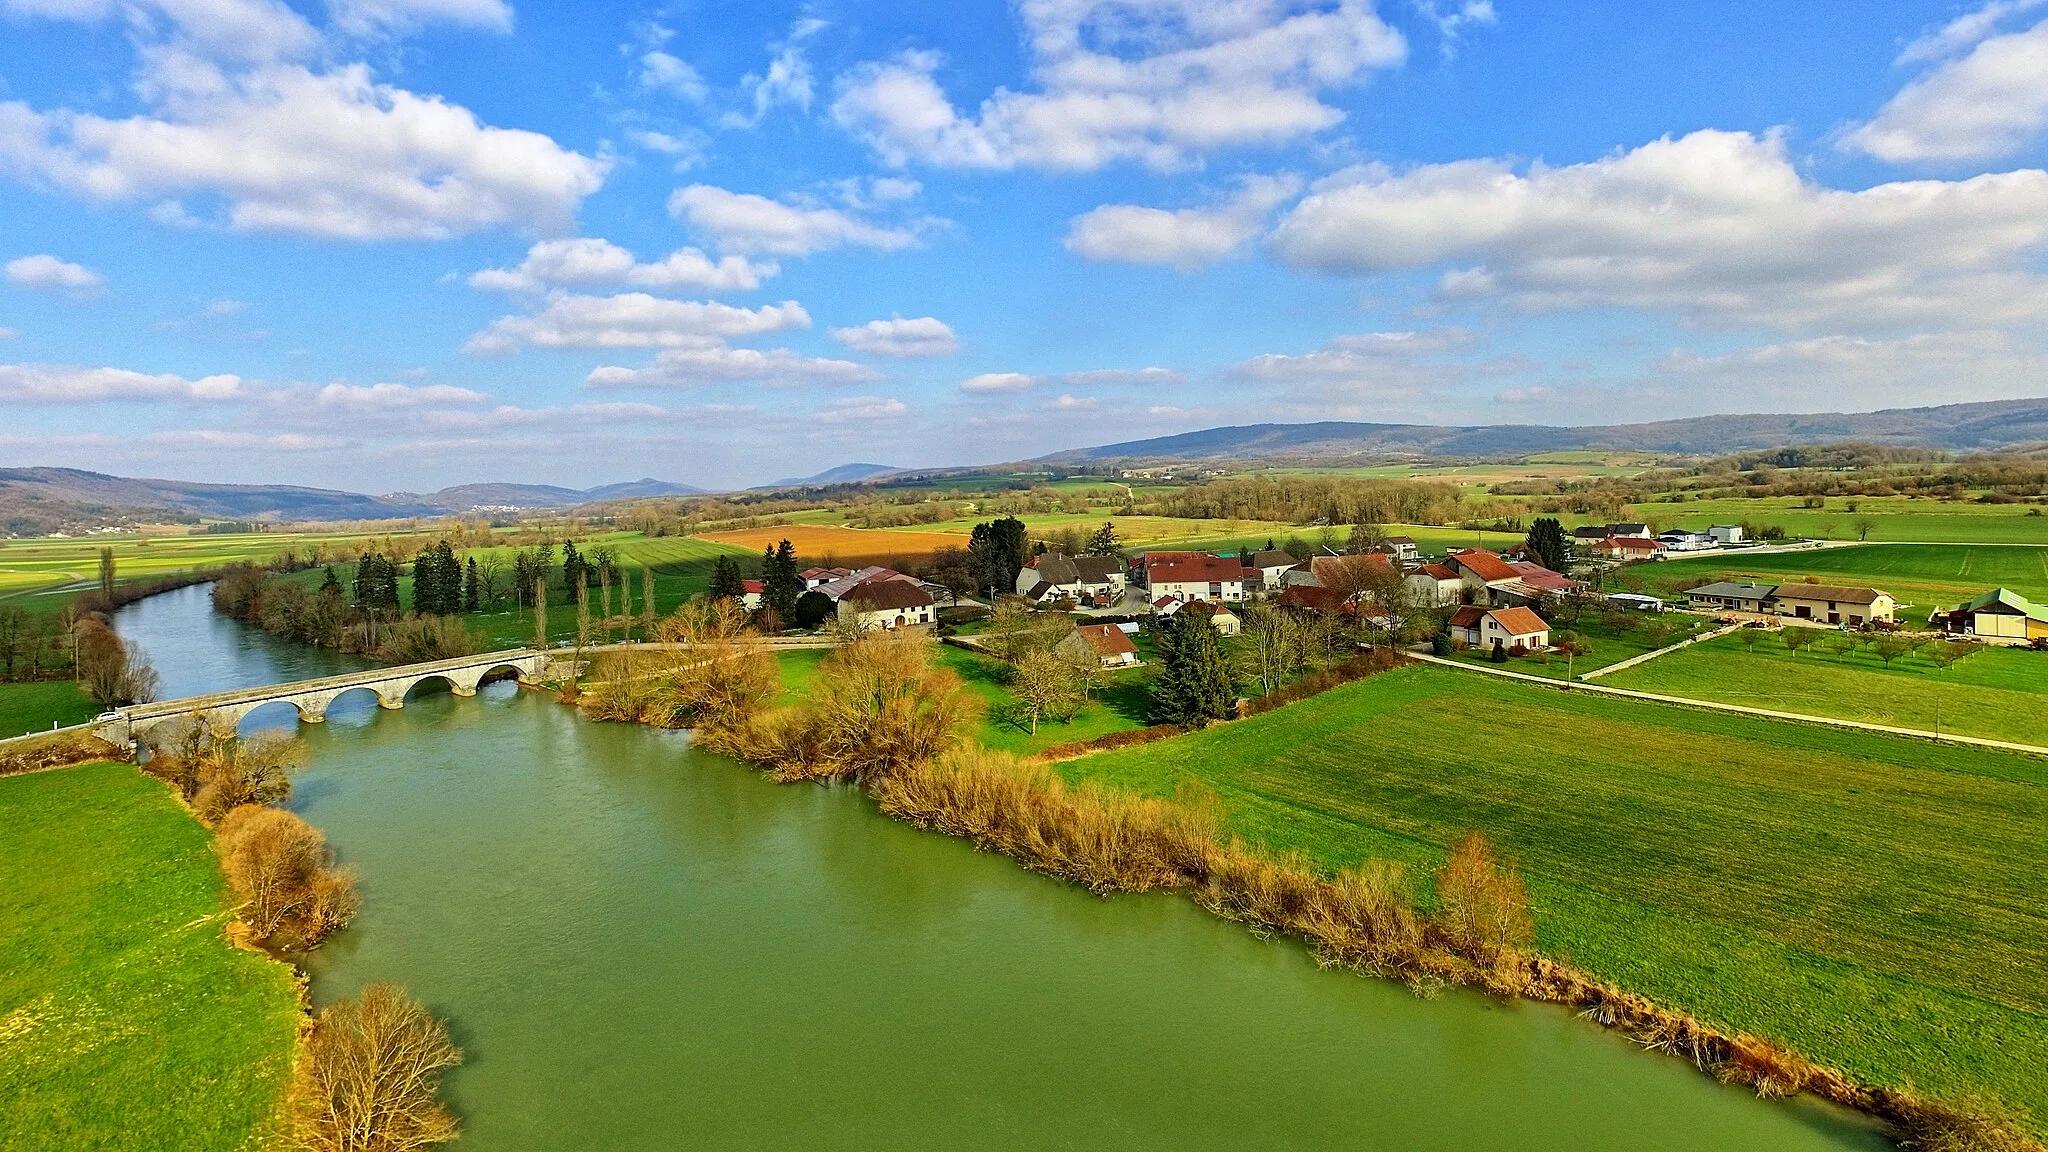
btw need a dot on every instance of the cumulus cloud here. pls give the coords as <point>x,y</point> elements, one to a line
<point>632,320</point>
<point>896,336</point>
<point>1716,225</point>
<point>1158,81</point>
<point>990,383</point>
<point>719,364</point>
<point>374,17</point>
<point>746,223</point>
<point>1185,238</point>
<point>786,81</point>
<point>240,30</point>
<point>587,262</point>
<point>393,397</point>
<point>1371,357</point>
<point>661,72</point>
<point>1987,103</point>
<point>861,409</point>
<point>65,384</point>
<point>44,272</point>
<point>994,383</point>
<point>289,149</point>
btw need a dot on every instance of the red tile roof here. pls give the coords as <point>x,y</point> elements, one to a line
<point>1542,579</point>
<point>1437,572</point>
<point>1108,639</point>
<point>1483,564</point>
<point>1518,621</point>
<point>1312,598</point>
<point>1199,568</point>
<point>753,587</point>
<point>1467,617</point>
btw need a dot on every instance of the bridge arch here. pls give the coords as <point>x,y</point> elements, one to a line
<point>271,714</point>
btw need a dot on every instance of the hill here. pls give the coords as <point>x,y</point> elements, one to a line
<point>844,474</point>
<point>1974,427</point>
<point>45,499</point>
<point>468,497</point>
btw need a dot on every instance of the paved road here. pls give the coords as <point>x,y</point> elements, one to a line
<point>1717,706</point>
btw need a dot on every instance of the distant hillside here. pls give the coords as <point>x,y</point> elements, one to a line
<point>1981,426</point>
<point>47,499</point>
<point>844,474</point>
<point>465,497</point>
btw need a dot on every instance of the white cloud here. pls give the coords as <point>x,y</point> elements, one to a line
<point>744,222</point>
<point>719,364</point>
<point>896,336</point>
<point>1069,403</point>
<point>372,17</point>
<point>1160,81</point>
<point>787,81</point>
<point>1451,19</point>
<point>861,409</point>
<point>1371,357</point>
<point>291,150</point>
<point>1988,103</point>
<point>1964,31</point>
<point>388,397</point>
<point>47,273</point>
<point>632,320</point>
<point>211,439</point>
<point>998,382</point>
<point>587,262</point>
<point>661,72</point>
<point>1715,224</point>
<point>995,383</point>
<point>1186,238</point>
<point>64,384</point>
<point>252,31</point>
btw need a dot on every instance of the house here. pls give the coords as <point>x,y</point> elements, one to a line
<point>750,594</point>
<point>1688,542</point>
<point>1635,601</point>
<point>1538,582</point>
<point>887,604</point>
<point>1222,619</point>
<point>1730,595</point>
<point>838,586</point>
<point>1590,532</point>
<point>1271,564</point>
<point>1629,531</point>
<point>1167,605</point>
<point>1624,548</point>
<point>817,577</point>
<point>1435,585</point>
<point>1312,598</point>
<point>1833,604</point>
<point>1350,574</point>
<point>1112,647</point>
<point>1726,533</point>
<point>1094,580</point>
<point>1517,629</point>
<point>1998,614</point>
<point>1404,550</point>
<point>1193,576</point>
<point>1479,573</point>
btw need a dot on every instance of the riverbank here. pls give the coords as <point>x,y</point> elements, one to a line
<point>126,1018</point>
<point>1110,843</point>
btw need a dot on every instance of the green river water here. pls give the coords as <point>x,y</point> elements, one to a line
<point>645,947</point>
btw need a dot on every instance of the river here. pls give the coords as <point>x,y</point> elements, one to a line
<point>643,946</point>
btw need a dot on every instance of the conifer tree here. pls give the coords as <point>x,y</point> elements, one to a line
<point>726,581</point>
<point>1194,684</point>
<point>472,587</point>
<point>781,582</point>
<point>572,568</point>
<point>330,585</point>
<point>1546,544</point>
<point>1104,542</point>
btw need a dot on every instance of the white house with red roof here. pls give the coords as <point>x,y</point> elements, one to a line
<point>1436,585</point>
<point>1517,629</point>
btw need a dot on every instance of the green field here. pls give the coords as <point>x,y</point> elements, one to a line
<point>1873,901</point>
<point>35,705</point>
<point>1119,704</point>
<point>1893,518</point>
<point>126,1019</point>
<point>31,568</point>
<point>2000,693</point>
<point>1607,644</point>
<point>1923,575</point>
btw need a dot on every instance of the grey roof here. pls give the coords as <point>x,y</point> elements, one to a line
<point>1273,558</point>
<point>1732,590</point>
<point>1590,532</point>
<point>1056,569</point>
<point>1098,569</point>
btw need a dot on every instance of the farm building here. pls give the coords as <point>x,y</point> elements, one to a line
<point>887,604</point>
<point>1193,576</point>
<point>1112,647</point>
<point>1832,604</point>
<point>1517,629</point>
<point>1739,596</point>
<point>1998,614</point>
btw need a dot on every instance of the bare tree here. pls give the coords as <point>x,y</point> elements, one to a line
<point>14,634</point>
<point>1048,685</point>
<point>489,569</point>
<point>1891,646</point>
<point>369,1076</point>
<point>1864,524</point>
<point>111,670</point>
<point>1796,638</point>
<point>1273,644</point>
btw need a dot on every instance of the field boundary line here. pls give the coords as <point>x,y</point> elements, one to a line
<point>1738,709</point>
<point>1656,652</point>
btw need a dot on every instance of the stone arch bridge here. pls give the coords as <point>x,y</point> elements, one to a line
<point>311,698</point>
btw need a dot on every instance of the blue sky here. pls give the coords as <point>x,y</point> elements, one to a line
<point>398,244</point>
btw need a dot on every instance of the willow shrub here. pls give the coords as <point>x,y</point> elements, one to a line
<point>369,1076</point>
<point>291,895</point>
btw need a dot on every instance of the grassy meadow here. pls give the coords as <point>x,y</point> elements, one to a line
<point>37,705</point>
<point>1923,575</point>
<point>1999,693</point>
<point>1607,644</point>
<point>126,1018</point>
<point>36,571</point>
<point>1896,519</point>
<point>1870,900</point>
<point>1120,703</point>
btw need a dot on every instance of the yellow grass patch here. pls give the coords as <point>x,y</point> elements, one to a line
<point>816,543</point>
